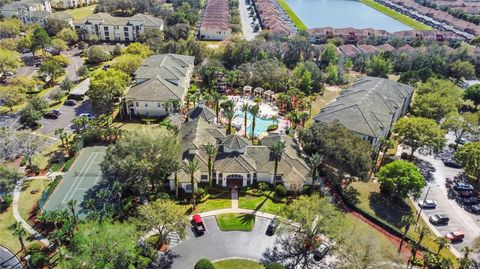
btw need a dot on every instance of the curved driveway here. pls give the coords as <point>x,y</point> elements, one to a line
<point>8,259</point>
<point>215,244</point>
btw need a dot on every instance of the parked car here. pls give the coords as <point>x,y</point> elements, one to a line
<point>272,227</point>
<point>451,163</point>
<point>475,209</point>
<point>460,186</point>
<point>198,224</point>
<point>88,115</point>
<point>439,219</point>
<point>53,114</point>
<point>455,236</point>
<point>70,102</point>
<point>470,200</point>
<point>461,141</point>
<point>321,251</point>
<point>427,204</point>
<point>465,193</point>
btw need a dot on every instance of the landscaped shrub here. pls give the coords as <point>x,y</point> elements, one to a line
<point>272,127</point>
<point>5,202</point>
<point>34,247</point>
<point>201,192</point>
<point>263,186</point>
<point>204,264</point>
<point>280,190</point>
<point>275,265</point>
<point>67,164</point>
<point>307,189</point>
<point>38,259</point>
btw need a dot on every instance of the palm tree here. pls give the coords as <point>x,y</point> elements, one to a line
<point>422,232</point>
<point>254,110</point>
<point>406,222</point>
<point>166,107</point>
<point>244,108</point>
<point>176,105</point>
<point>230,115</point>
<point>63,137</point>
<point>187,98</point>
<point>315,161</point>
<point>71,206</point>
<point>385,144</point>
<point>190,167</point>
<point>442,243</point>
<point>216,99</point>
<point>211,151</point>
<point>228,105</point>
<point>20,232</point>
<point>294,118</point>
<point>176,167</point>
<point>277,149</point>
<point>465,262</point>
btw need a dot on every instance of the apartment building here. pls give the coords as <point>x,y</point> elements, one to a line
<point>109,28</point>
<point>15,9</point>
<point>65,4</point>
<point>215,21</point>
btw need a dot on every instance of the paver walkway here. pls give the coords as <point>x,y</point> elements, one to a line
<point>18,218</point>
<point>234,198</point>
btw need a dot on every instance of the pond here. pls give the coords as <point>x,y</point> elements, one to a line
<point>343,13</point>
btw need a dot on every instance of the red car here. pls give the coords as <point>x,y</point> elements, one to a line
<point>455,236</point>
<point>198,224</point>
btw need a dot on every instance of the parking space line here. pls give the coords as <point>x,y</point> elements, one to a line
<point>77,178</point>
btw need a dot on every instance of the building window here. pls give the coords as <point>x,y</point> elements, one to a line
<point>105,28</point>
<point>146,104</point>
<point>125,29</point>
<point>126,39</point>
<point>188,187</point>
<point>204,177</point>
<point>136,103</point>
<point>158,104</point>
<point>255,175</point>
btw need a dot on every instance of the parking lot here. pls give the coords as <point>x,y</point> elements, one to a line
<point>64,120</point>
<point>247,20</point>
<point>460,218</point>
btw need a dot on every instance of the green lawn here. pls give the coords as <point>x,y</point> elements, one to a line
<point>81,12</point>
<point>372,202</point>
<point>238,264</point>
<point>28,199</point>
<point>261,203</point>
<point>397,16</point>
<point>293,16</point>
<point>214,204</point>
<point>235,222</point>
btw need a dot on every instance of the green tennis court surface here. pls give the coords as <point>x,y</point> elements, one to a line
<point>84,174</point>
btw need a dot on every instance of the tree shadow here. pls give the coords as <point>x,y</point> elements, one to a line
<point>389,210</point>
<point>246,219</point>
<point>164,260</point>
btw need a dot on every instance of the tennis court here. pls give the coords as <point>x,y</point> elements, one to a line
<point>82,176</point>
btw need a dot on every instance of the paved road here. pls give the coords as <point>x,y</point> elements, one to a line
<point>246,21</point>
<point>215,244</point>
<point>64,121</point>
<point>460,219</point>
<point>8,259</point>
<point>75,63</point>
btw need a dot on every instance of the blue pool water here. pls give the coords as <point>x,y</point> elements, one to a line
<point>261,125</point>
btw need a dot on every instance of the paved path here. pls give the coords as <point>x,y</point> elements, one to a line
<point>18,217</point>
<point>247,28</point>
<point>235,199</point>
<point>237,210</point>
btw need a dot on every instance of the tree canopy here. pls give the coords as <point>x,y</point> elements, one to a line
<point>419,133</point>
<point>469,156</point>
<point>339,146</point>
<point>141,160</point>
<point>104,87</point>
<point>436,98</point>
<point>399,179</point>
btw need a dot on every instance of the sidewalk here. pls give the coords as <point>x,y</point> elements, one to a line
<point>18,218</point>
<point>238,211</point>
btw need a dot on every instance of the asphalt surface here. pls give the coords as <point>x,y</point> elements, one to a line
<point>460,219</point>
<point>247,28</point>
<point>64,121</point>
<point>215,244</point>
<point>8,259</point>
<point>75,63</point>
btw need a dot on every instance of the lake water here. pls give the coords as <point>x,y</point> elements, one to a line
<point>343,13</point>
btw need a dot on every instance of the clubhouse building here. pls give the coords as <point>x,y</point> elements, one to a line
<point>238,163</point>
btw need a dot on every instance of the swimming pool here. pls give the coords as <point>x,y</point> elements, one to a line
<point>261,125</point>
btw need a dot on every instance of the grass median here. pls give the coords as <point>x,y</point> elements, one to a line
<point>293,16</point>
<point>397,16</point>
<point>235,222</point>
<point>238,264</point>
